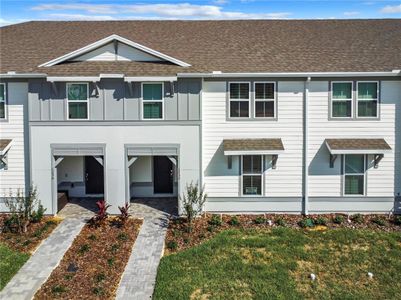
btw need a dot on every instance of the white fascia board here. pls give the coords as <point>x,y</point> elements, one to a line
<point>73,78</point>
<point>253,152</point>
<point>292,74</point>
<point>111,76</point>
<point>150,78</point>
<point>359,151</point>
<point>22,75</point>
<point>107,40</point>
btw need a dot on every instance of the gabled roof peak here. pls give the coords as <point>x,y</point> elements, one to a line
<point>114,38</point>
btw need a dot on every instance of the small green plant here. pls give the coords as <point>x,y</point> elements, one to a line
<point>211,228</point>
<point>201,236</point>
<point>397,220</point>
<point>215,220</point>
<point>68,277</point>
<point>379,221</point>
<point>259,220</point>
<point>172,245</point>
<point>280,222</point>
<point>26,243</point>
<point>84,248</point>
<point>114,248</point>
<point>98,291</point>
<point>50,222</point>
<point>37,215</point>
<point>110,261</point>
<point>322,221</point>
<point>186,240</point>
<point>193,200</point>
<point>338,219</point>
<point>100,277</point>
<point>92,237</point>
<point>177,233</point>
<point>58,289</point>
<point>177,221</point>
<point>357,218</point>
<point>306,223</point>
<point>234,221</point>
<point>122,236</point>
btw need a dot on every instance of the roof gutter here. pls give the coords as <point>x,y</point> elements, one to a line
<point>22,75</point>
<point>218,74</point>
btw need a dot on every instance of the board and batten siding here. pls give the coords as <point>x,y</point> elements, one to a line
<point>325,183</point>
<point>15,128</point>
<point>112,100</point>
<point>283,185</point>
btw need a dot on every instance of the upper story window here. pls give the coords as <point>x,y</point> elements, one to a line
<point>152,101</point>
<point>78,101</point>
<point>252,170</point>
<point>265,99</point>
<point>367,99</point>
<point>2,101</point>
<point>239,99</point>
<point>341,99</point>
<point>354,174</point>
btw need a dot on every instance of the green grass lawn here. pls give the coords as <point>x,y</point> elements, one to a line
<point>10,262</point>
<point>276,265</point>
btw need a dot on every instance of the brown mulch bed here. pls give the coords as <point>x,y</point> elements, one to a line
<point>93,265</point>
<point>179,238</point>
<point>28,242</point>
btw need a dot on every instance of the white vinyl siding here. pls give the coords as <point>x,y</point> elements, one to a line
<point>286,179</point>
<point>327,182</point>
<point>14,177</point>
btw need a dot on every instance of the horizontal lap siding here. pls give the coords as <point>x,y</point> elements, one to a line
<point>13,128</point>
<point>326,181</point>
<point>286,180</point>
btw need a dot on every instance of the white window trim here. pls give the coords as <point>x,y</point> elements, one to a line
<point>5,103</point>
<point>77,101</point>
<point>377,99</point>
<point>237,100</point>
<point>274,100</point>
<point>252,174</point>
<point>147,101</point>
<point>359,174</point>
<point>338,100</point>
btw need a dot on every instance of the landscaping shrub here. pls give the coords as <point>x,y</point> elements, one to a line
<point>280,221</point>
<point>101,215</point>
<point>234,221</point>
<point>84,248</point>
<point>58,289</point>
<point>122,236</point>
<point>172,245</point>
<point>110,261</point>
<point>124,212</point>
<point>306,223</point>
<point>92,237</point>
<point>338,219</point>
<point>114,248</point>
<point>193,200</point>
<point>357,218</point>
<point>37,215</point>
<point>260,220</point>
<point>98,291</point>
<point>211,228</point>
<point>215,220</point>
<point>100,277</point>
<point>397,220</point>
<point>379,221</point>
<point>321,221</point>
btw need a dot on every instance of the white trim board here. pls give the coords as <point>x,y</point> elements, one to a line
<point>253,152</point>
<point>113,37</point>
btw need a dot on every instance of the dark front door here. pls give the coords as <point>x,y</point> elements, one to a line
<point>94,182</point>
<point>162,175</point>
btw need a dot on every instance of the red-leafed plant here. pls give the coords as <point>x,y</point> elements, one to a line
<point>124,212</point>
<point>102,214</point>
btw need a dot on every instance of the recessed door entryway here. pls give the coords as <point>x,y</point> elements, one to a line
<point>93,176</point>
<point>163,176</point>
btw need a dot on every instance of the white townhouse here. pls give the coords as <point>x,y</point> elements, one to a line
<point>288,116</point>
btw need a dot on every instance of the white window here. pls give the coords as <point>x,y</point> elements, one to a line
<point>265,98</point>
<point>252,175</point>
<point>152,101</point>
<point>239,99</point>
<point>367,99</point>
<point>2,101</point>
<point>354,174</point>
<point>77,101</point>
<point>341,99</point>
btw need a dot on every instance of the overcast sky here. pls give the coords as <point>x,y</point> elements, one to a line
<point>14,11</point>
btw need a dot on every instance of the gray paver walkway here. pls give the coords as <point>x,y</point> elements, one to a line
<point>139,276</point>
<point>38,268</point>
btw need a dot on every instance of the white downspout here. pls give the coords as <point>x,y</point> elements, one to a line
<point>306,148</point>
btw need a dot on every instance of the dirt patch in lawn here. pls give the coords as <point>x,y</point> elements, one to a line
<point>180,237</point>
<point>28,242</point>
<point>93,265</point>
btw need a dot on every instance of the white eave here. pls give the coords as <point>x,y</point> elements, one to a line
<point>252,152</point>
<point>219,74</point>
<point>22,75</point>
<point>113,37</point>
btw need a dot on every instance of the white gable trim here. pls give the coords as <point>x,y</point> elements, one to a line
<point>107,40</point>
